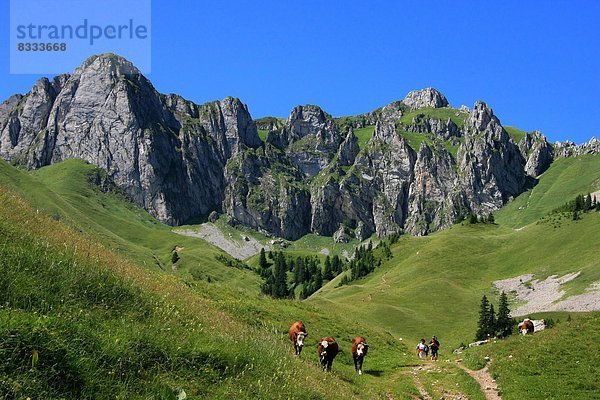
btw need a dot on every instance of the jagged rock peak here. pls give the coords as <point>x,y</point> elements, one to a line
<point>311,120</point>
<point>385,132</point>
<point>481,116</point>
<point>428,97</point>
<point>570,149</point>
<point>303,119</point>
<point>109,62</point>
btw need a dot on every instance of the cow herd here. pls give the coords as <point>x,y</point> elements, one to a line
<point>327,348</point>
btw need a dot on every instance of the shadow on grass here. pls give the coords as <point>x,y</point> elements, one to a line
<point>375,372</point>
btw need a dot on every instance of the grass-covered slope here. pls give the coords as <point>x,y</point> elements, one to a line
<point>63,191</point>
<point>433,284</point>
<point>565,179</point>
<point>558,363</point>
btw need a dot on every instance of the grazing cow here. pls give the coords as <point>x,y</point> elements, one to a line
<point>360,347</point>
<point>297,333</point>
<point>526,326</point>
<point>327,349</point>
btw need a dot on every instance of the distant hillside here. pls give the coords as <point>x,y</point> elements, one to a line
<point>72,192</point>
<point>565,179</point>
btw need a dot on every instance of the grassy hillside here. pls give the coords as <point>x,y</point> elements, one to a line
<point>516,133</point>
<point>79,320</point>
<point>565,179</point>
<point>63,192</point>
<point>433,284</point>
<point>364,135</point>
<point>554,364</point>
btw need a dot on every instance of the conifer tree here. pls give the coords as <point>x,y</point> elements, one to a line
<point>263,265</point>
<point>328,272</point>
<point>473,219</point>
<point>280,289</point>
<point>491,322</point>
<point>504,322</point>
<point>336,265</point>
<point>482,326</point>
<point>588,202</point>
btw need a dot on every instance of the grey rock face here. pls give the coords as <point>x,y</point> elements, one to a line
<point>310,138</point>
<point>570,149</point>
<point>538,153</point>
<point>431,197</point>
<point>492,168</point>
<point>425,98</point>
<point>445,130</point>
<point>264,191</point>
<point>348,149</point>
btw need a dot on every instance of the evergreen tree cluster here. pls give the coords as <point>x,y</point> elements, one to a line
<point>284,274</point>
<point>364,262</point>
<point>580,204</point>
<point>491,323</point>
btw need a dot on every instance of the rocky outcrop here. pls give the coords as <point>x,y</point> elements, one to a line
<point>348,149</point>
<point>491,166</point>
<point>432,198</point>
<point>310,138</point>
<point>538,153</point>
<point>570,149</point>
<point>442,129</point>
<point>265,192</point>
<point>269,123</point>
<point>425,98</point>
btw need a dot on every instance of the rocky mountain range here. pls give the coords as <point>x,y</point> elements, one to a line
<point>419,167</point>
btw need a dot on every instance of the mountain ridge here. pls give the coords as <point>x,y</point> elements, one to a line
<point>424,167</point>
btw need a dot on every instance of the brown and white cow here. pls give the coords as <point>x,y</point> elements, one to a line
<point>327,350</point>
<point>297,334</point>
<point>526,326</point>
<point>360,347</point>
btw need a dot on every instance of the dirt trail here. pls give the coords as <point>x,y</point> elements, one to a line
<point>415,371</point>
<point>485,380</point>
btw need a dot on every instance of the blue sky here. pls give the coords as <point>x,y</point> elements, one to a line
<point>537,64</point>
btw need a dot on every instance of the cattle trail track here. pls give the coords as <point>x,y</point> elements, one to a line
<point>420,387</point>
<point>485,380</point>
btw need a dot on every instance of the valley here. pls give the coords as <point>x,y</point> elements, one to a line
<point>130,263</point>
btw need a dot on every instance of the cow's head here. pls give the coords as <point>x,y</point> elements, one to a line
<point>300,338</point>
<point>323,355</point>
<point>362,348</point>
